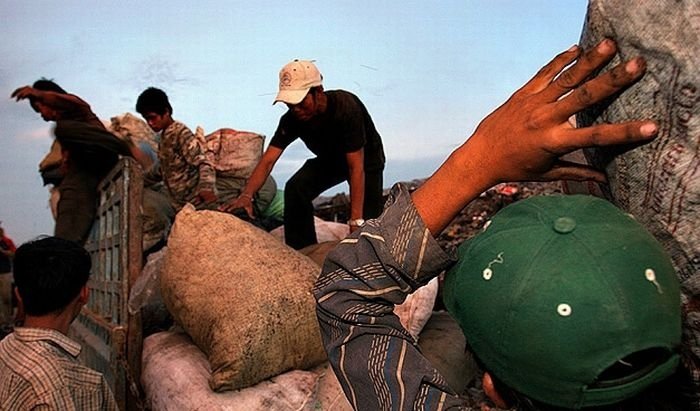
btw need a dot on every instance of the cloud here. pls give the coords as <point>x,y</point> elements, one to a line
<point>160,72</point>
<point>35,134</point>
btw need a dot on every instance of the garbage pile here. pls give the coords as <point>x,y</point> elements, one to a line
<point>473,217</point>
<point>469,222</point>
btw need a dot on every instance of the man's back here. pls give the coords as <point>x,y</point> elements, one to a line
<point>39,369</point>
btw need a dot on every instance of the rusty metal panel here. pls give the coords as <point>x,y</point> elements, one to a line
<point>111,338</point>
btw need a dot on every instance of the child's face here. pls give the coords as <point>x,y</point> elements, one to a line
<point>156,121</point>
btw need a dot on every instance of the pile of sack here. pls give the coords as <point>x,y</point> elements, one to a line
<point>249,337</point>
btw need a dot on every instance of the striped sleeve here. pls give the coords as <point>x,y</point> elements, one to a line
<point>375,359</point>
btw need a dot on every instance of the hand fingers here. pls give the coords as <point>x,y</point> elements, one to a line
<point>19,93</point>
<point>547,73</point>
<point>601,87</point>
<point>606,135</point>
<point>570,78</point>
<point>249,210</point>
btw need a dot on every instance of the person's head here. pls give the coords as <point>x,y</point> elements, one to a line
<point>47,112</point>
<point>155,108</point>
<point>568,302</point>
<point>50,274</point>
<point>301,89</point>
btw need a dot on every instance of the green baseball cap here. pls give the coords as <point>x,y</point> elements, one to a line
<point>568,301</point>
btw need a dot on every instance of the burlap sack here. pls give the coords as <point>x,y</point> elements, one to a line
<point>131,128</point>
<point>658,183</point>
<point>318,252</point>
<point>243,297</point>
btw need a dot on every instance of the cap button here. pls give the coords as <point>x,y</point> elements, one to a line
<point>564,225</point>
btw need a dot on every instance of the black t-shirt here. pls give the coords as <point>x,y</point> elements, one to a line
<point>344,127</point>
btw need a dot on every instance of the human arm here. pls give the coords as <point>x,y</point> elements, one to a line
<point>57,101</point>
<point>139,155</point>
<point>190,150</point>
<point>524,138</point>
<point>376,361</point>
<point>257,178</point>
<point>356,180</point>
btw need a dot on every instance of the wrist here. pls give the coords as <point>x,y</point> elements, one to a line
<point>356,222</point>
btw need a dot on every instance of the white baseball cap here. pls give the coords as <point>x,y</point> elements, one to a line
<point>296,78</point>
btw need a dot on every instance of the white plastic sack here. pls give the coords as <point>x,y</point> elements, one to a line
<point>233,153</point>
<point>175,375</point>
<point>416,310</point>
<point>325,231</point>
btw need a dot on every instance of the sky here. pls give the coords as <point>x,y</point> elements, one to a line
<point>428,72</point>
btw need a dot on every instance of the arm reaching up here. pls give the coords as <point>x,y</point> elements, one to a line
<point>524,138</point>
<point>376,361</point>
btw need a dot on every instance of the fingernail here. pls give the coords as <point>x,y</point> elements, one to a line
<point>573,48</point>
<point>648,129</point>
<point>632,66</point>
<point>605,46</point>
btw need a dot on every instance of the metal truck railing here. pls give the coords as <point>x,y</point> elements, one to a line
<point>110,336</point>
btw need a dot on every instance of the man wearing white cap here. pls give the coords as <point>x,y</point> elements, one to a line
<point>337,128</point>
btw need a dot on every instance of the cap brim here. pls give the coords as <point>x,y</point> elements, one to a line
<point>291,96</point>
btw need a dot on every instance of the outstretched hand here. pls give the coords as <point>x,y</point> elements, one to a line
<point>22,93</point>
<point>524,138</point>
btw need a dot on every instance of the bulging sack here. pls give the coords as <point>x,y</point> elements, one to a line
<point>243,296</point>
<point>659,182</point>
<point>234,153</point>
<point>175,374</point>
<point>131,128</point>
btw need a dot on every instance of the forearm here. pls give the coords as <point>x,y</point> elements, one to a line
<point>257,179</point>
<point>357,193</point>
<point>193,154</point>
<point>140,156</point>
<point>59,101</point>
<point>207,177</point>
<point>458,181</point>
<point>363,278</point>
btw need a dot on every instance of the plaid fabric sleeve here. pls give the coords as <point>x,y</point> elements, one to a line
<point>375,359</point>
<point>195,154</point>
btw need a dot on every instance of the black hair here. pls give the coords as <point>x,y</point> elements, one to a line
<point>153,100</point>
<point>45,84</point>
<point>49,273</point>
